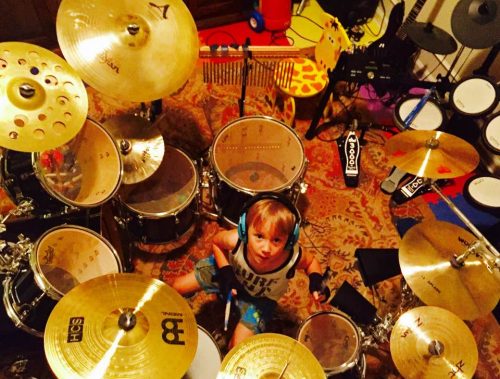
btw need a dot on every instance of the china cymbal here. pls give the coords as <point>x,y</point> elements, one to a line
<point>270,355</point>
<point>474,23</point>
<point>426,257</point>
<point>431,154</point>
<point>121,325</point>
<point>431,38</point>
<point>44,102</point>
<point>431,342</point>
<point>141,146</point>
<point>133,50</point>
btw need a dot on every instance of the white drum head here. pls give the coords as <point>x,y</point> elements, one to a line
<point>474,96</point>
<point>208,359</point>
<point>485,190</point>
<point>492,134</point>
<point>430,116</point>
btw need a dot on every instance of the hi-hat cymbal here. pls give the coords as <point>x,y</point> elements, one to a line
<point>44,102</point>
<point>475,23</point>
<point>431,154</point>
<point>426,257</point>
<point>431,342</point>
<point>121,325</point>
<point>270,355</point>
<point>431,38</point>
<point>133,50</point>
<point>141,146</point>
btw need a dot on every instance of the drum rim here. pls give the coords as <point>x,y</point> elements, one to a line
<point>483,133</point>
<point>399,121</point>
<point>486,111</point>
<point>39,278</point>
<point>179,208</point>
<point>487,208</point>
<point>250,191</point>
<point>39,175</point>
<point>357,353</point>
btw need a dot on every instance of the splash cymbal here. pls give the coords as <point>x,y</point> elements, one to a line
<point>431,342</point>
<point>426,257</point>
<point>133,50</point>
<point>431,154</point>
<point>121,325</point>
<point>141,146</point>
<point>270,355</point>
<point>44,102</point>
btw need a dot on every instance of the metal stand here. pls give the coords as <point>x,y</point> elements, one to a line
<point>247,54</point>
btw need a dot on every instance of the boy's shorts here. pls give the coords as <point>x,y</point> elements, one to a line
<point>255,312</point>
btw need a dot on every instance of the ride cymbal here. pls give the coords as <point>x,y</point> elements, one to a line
<point>44,102</point>
<point>121,326</point>
<point>431,342</point>
<point>431,154</point>
<point>270,355</point>
<point>132,50</point>
<point>431,38</point>
<point>426,258</point>
<point>141,146</point>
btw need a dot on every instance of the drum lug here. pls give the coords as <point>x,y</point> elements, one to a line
<point>122,221</point>
<point>303,187</point>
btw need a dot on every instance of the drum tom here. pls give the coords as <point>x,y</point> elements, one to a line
<point>208,359</point>
<point>336,342</point>
<point>474,96</point>
<point>83,173</point>
<point>251,155</point>
<point>430,117</point>
<point>489,145</point>
<point>482,192</point>
<point>62,258</point>
<point>163,207</point>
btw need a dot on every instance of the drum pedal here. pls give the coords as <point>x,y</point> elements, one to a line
<point>390,184</point>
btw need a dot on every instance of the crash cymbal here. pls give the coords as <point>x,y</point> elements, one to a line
<point>141,146</point>
<point>431,154</point>
<point>431,342</point>
<point>474,23</point>
<point>426,258</point>
<point>270,355</point>
<point>431,38</point>
<point>132,50</point>
<point>44,102</point>
<point>121,326</point>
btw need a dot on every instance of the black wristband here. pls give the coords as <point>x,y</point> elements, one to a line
<point>315,281</point>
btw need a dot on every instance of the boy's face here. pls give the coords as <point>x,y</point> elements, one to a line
<point>266,246</point>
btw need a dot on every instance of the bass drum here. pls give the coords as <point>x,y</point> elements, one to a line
<point>163,208</point>
<point>489,145</point>
<point>83,173</point>
<point>61,258</point>
<point>430,117</point>
<point>475,96</point>
<point>336,342</point>
<point>254,154</point>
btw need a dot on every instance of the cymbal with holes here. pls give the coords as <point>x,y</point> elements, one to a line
<point>431,342</point>
<point>133,50</point>
<point>431,154</point>
<point>121,326</point>
<point>427,260</point>
<point>140,143</point>
<point>270,355</point>
<point>44,102</point>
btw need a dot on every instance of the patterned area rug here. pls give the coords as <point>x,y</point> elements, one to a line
<point>337,219</point>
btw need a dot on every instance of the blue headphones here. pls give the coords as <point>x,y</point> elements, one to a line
<point>242,224</point>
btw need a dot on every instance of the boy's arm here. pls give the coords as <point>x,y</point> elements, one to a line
<point>222,243</point>
<point>309,263</point>
<point>311,266</point>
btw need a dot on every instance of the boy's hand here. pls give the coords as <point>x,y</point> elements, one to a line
<point>227,281</point>
<point>317,287</point>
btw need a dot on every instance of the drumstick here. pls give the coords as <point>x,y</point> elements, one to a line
<point>228,309</point>
<point>414,112</point>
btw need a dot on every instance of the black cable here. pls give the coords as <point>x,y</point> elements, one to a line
<point>381,23</point>
<point>301,36</point>
<point>309,19</point>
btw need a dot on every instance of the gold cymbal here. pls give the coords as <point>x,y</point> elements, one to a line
<point>133,50</point>
<point>270,355</point>
<point>426,254</point>
<point>431,342</point>
<point>44,102</point>
<point>121,325</point>
<point>141,146</point>
<point>431,154</point>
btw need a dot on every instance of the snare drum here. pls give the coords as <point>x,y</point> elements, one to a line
<point>62,258</point>
<point>336,342</point>
<point>489,145</point>
<point>208,358</point>
<point>254,154</point>
<point>474,96</point>
<point>163,207</point>
<point>85,173</point>
<point>430,117</point>
<point>483,193</point>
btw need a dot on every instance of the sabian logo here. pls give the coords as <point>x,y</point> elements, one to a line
<point>75,329</point>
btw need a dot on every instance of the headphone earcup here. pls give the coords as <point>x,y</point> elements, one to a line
<point>242,227</point>
<point>293,238</point>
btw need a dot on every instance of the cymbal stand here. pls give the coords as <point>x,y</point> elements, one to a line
<point>14,254</point>
<point>247,54</point>
<point>468,223</point>
<point>22,209</point>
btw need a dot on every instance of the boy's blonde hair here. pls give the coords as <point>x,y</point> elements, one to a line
<point>271,211</point>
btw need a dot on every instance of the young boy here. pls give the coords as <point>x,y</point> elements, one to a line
<point>254,262</point>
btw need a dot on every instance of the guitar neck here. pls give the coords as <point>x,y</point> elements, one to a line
<point>412,16</point>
